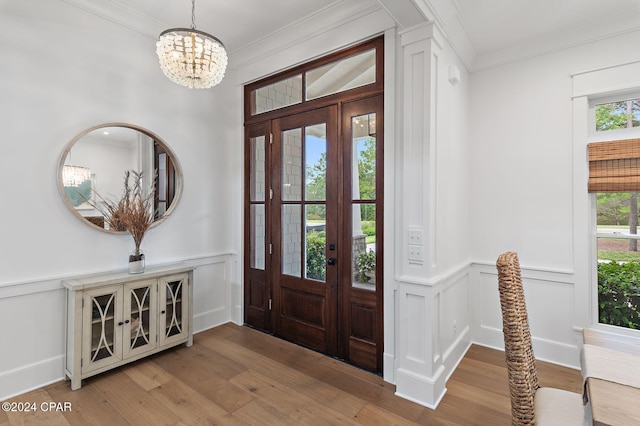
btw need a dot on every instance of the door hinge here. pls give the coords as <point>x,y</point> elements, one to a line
<point>81,362</point>
<point>270,248</point>
<point>269,304</point>
<point>270,138</point>
<point>271,193</point>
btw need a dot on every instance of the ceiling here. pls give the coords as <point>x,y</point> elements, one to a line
<point>483,32</point>
<point>498,24</point>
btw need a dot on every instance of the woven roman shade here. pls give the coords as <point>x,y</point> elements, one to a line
<point>614,166</point>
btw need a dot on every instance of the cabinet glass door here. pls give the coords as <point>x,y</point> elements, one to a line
<point>102,310</point>
<point>174,308</point>
<point>139,329</point>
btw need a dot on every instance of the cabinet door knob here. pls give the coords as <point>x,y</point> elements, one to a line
<point>163,312</point>
<point>126,322</point>
<point>120,323</point>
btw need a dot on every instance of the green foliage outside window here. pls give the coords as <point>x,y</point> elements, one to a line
<point>619,294</point>
<point>316,257</point>
<point>365,264</point>
<point>613,208</point>
<point>618,115</point>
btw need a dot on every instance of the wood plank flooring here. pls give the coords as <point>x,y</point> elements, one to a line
<point>238,376</point>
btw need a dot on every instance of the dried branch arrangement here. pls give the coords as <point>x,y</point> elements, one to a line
<point>132,212</point>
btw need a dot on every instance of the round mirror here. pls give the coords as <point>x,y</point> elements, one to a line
<point>93,165</point>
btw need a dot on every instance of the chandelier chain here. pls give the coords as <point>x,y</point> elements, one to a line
<point>193,14</point>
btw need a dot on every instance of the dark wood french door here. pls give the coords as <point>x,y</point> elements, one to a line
<point>313,257</point>
<point>313,226</point>
<point>305,228</point>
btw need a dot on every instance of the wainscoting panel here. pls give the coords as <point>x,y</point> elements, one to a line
<point>550,302</point>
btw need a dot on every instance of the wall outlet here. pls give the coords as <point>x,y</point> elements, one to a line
<point>415,253</point>
<point>415,237</point>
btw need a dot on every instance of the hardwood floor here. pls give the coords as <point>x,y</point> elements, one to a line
<point>238,376</point>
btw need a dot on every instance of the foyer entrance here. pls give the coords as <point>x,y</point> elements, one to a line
<point>313,211</point>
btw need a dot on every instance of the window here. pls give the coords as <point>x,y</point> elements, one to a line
<point>614,177</point>
<point>617,115</point>
<point>277,95</point>
<point>353,72</point>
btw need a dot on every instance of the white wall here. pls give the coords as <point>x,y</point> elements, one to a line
<point>69,71</point>
<point>527,195</point>
<point>452,207</point>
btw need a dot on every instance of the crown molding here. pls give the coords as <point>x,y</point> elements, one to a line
<point>405,13</point>
<point>603,29</point>
<point>447,15</point>
<point>120,14</point>
<point>317,26</point>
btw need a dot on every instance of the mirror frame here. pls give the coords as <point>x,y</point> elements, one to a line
<point>76,138</point>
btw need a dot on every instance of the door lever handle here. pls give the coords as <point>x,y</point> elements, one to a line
<point>331,261</point>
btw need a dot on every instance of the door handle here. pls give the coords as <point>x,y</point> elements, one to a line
<point>331,261</point>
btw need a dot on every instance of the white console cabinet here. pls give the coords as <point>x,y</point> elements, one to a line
<point>115,318</point>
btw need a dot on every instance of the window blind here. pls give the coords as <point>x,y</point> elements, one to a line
<point>614,166</point>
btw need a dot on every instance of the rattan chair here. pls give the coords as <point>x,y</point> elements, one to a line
<point>530,403</point>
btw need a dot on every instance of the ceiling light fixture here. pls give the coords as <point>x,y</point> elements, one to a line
<point>75,175</point>
<point>190,57</point>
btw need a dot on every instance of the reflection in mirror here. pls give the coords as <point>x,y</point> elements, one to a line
<point>95,161</point>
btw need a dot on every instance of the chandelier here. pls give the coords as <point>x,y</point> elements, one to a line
<point>190,57</point>
<point>75,175</point>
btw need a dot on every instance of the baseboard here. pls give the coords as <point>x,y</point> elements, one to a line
<point>209,319</point>
<point>389,367</point>
<point>426,391</point>
<point>29,377</point>
<point>551,351</point>
<point>456,352</point>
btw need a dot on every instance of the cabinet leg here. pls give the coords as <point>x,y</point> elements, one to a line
<point>75,384</point>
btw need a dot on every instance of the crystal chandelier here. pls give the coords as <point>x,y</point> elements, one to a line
<point>190,57</point>
<point>75,175</point>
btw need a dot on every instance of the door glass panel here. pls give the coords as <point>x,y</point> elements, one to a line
<point>292,240</point>
<point>173,308</point>
<point>364,246</point>
<point>292,165</point>
<point>363,135</point>
<point>257,169</point>
<point>257,236</point>
<point>140,317</point>
<point>102,326</point>
<point>341,75</point>
<point>316,241</point>
<point>277,95</point>
<point>316,162</point>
